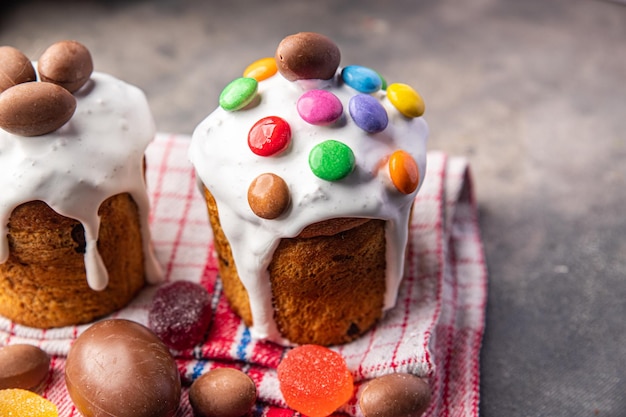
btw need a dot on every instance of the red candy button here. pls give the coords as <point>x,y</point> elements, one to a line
<point>269,136</point>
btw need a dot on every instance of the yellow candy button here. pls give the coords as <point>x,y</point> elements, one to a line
<point>406,99</point>
<point>261,69</point>
<point>23,403</point>
<point>403,171</point>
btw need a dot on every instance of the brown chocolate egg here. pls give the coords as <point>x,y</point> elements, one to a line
<point>22,366</point>
<point>15,68</point>
<point>120,368</point>
<point>268,196</point>
<point>395,395</point>
<point>306,56</point>
<point>222,392</point>
<point>66,63</point>
<point>35,108</point>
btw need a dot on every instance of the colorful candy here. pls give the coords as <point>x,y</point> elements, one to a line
<point>331,160</point>
<point>306,56</point>
<point>261,69</point>
<point>222,392</point>
<point>319,107</point>
<point>405,99</point>
<point>15,68</point>
<point>180,314</point>
<point>404,172</point>
<point>269,136</point>
<point>23,403</point>
<point>268,196</point>
<point>238,94</point>
<point>395,395</point>
<point>314,380</point>
<point>362,79</point>
<point>23,366</point>
<point>368,113</point>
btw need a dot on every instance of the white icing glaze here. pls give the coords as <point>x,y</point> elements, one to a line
<point>225,165</point>
<point>97,154</point>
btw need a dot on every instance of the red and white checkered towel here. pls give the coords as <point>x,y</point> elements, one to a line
<point>435,331</point>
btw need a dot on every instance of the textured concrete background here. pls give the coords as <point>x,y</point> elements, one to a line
<point>532,92</point>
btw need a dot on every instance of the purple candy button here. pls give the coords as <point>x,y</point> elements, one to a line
<point>319,107</point>
<point>368,113</point>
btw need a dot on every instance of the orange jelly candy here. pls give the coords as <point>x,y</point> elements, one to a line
<point>23,403</point>
<point>314,380</point>
<point>404,172</point>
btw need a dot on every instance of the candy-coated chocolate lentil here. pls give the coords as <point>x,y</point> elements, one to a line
<point>269,136</point>
<point>405,99</point>
<point>268,196</point>
<point>362,79</point>
<point>368,113</point>
<point>261,69</point>
<point>238,94</point>
<point>319,107</point>
<point>23,403</point>
<point>331,160</point>
<point>383,85</point>
<point>314,380</point>
<point>403,171</point>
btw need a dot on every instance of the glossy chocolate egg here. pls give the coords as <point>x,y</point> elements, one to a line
<point>222,392</point>
<point>306,56</point>
<point>66,63</point>
<point>23,366</point>
<point>15,68</point>
<point>395,395</point>
<point>35,108</point>
<point>121,368</point>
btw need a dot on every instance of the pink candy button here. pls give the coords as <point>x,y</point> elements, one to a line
<point>319,107</point>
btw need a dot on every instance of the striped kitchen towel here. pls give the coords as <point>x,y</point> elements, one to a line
<point>435,331</point>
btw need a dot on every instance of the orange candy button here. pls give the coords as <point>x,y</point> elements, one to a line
<point>404,172</point>
<point>23,403</point>
<point>261,69</point>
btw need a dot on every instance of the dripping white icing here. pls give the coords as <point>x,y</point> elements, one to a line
<point>226,166</point>
<point>97,154</point>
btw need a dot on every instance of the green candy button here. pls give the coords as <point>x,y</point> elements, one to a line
<point>331,160</point>
<point>238,94</point>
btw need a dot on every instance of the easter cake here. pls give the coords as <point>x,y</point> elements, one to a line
<point>309,171</point>
<point>75,240</point>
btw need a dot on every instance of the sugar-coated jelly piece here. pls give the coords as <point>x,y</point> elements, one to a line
<point>307,56</point>
<point>261,69</point>
<point>268,196</point>
<point>269,136</point>
<point>23,366</point>
<point>368,113</point>
<point>319,107</point>
<point>23,403</point>
<point>180,314</point>
<point>403,171</point>
<point>406,99</point>
<point>331,160</point>
<point>314,380</point>
<point>362,79</point>
<point>238,93</point>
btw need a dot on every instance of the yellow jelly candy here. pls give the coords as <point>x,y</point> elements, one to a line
<point>261,69</point>
<point>406,99</point>
<point>23,403</point>
<point>403,172</point>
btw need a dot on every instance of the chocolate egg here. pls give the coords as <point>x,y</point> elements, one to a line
<point>395,395</point>
<point>268,196</point>
<point>120,368</point>
<point>222,392</point>
<point>307,55</point>
<point>22,366</point>
<point>66,63</point>
<point>15,68</point>
<point>35,108</point>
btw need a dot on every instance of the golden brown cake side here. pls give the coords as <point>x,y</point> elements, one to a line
<point>43,283</point>
<point>326,289</point>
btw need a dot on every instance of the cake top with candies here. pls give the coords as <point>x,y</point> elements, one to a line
<point>298,140</point>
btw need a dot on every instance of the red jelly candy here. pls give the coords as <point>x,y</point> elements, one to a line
<point>314,380</point>
<point>269,136</point>
<point>180,314</point>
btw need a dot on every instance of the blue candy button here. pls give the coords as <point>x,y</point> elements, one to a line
<point>368,113</point>
<point>362,79</point>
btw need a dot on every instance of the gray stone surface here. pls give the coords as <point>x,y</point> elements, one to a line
<point>532,92</point>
